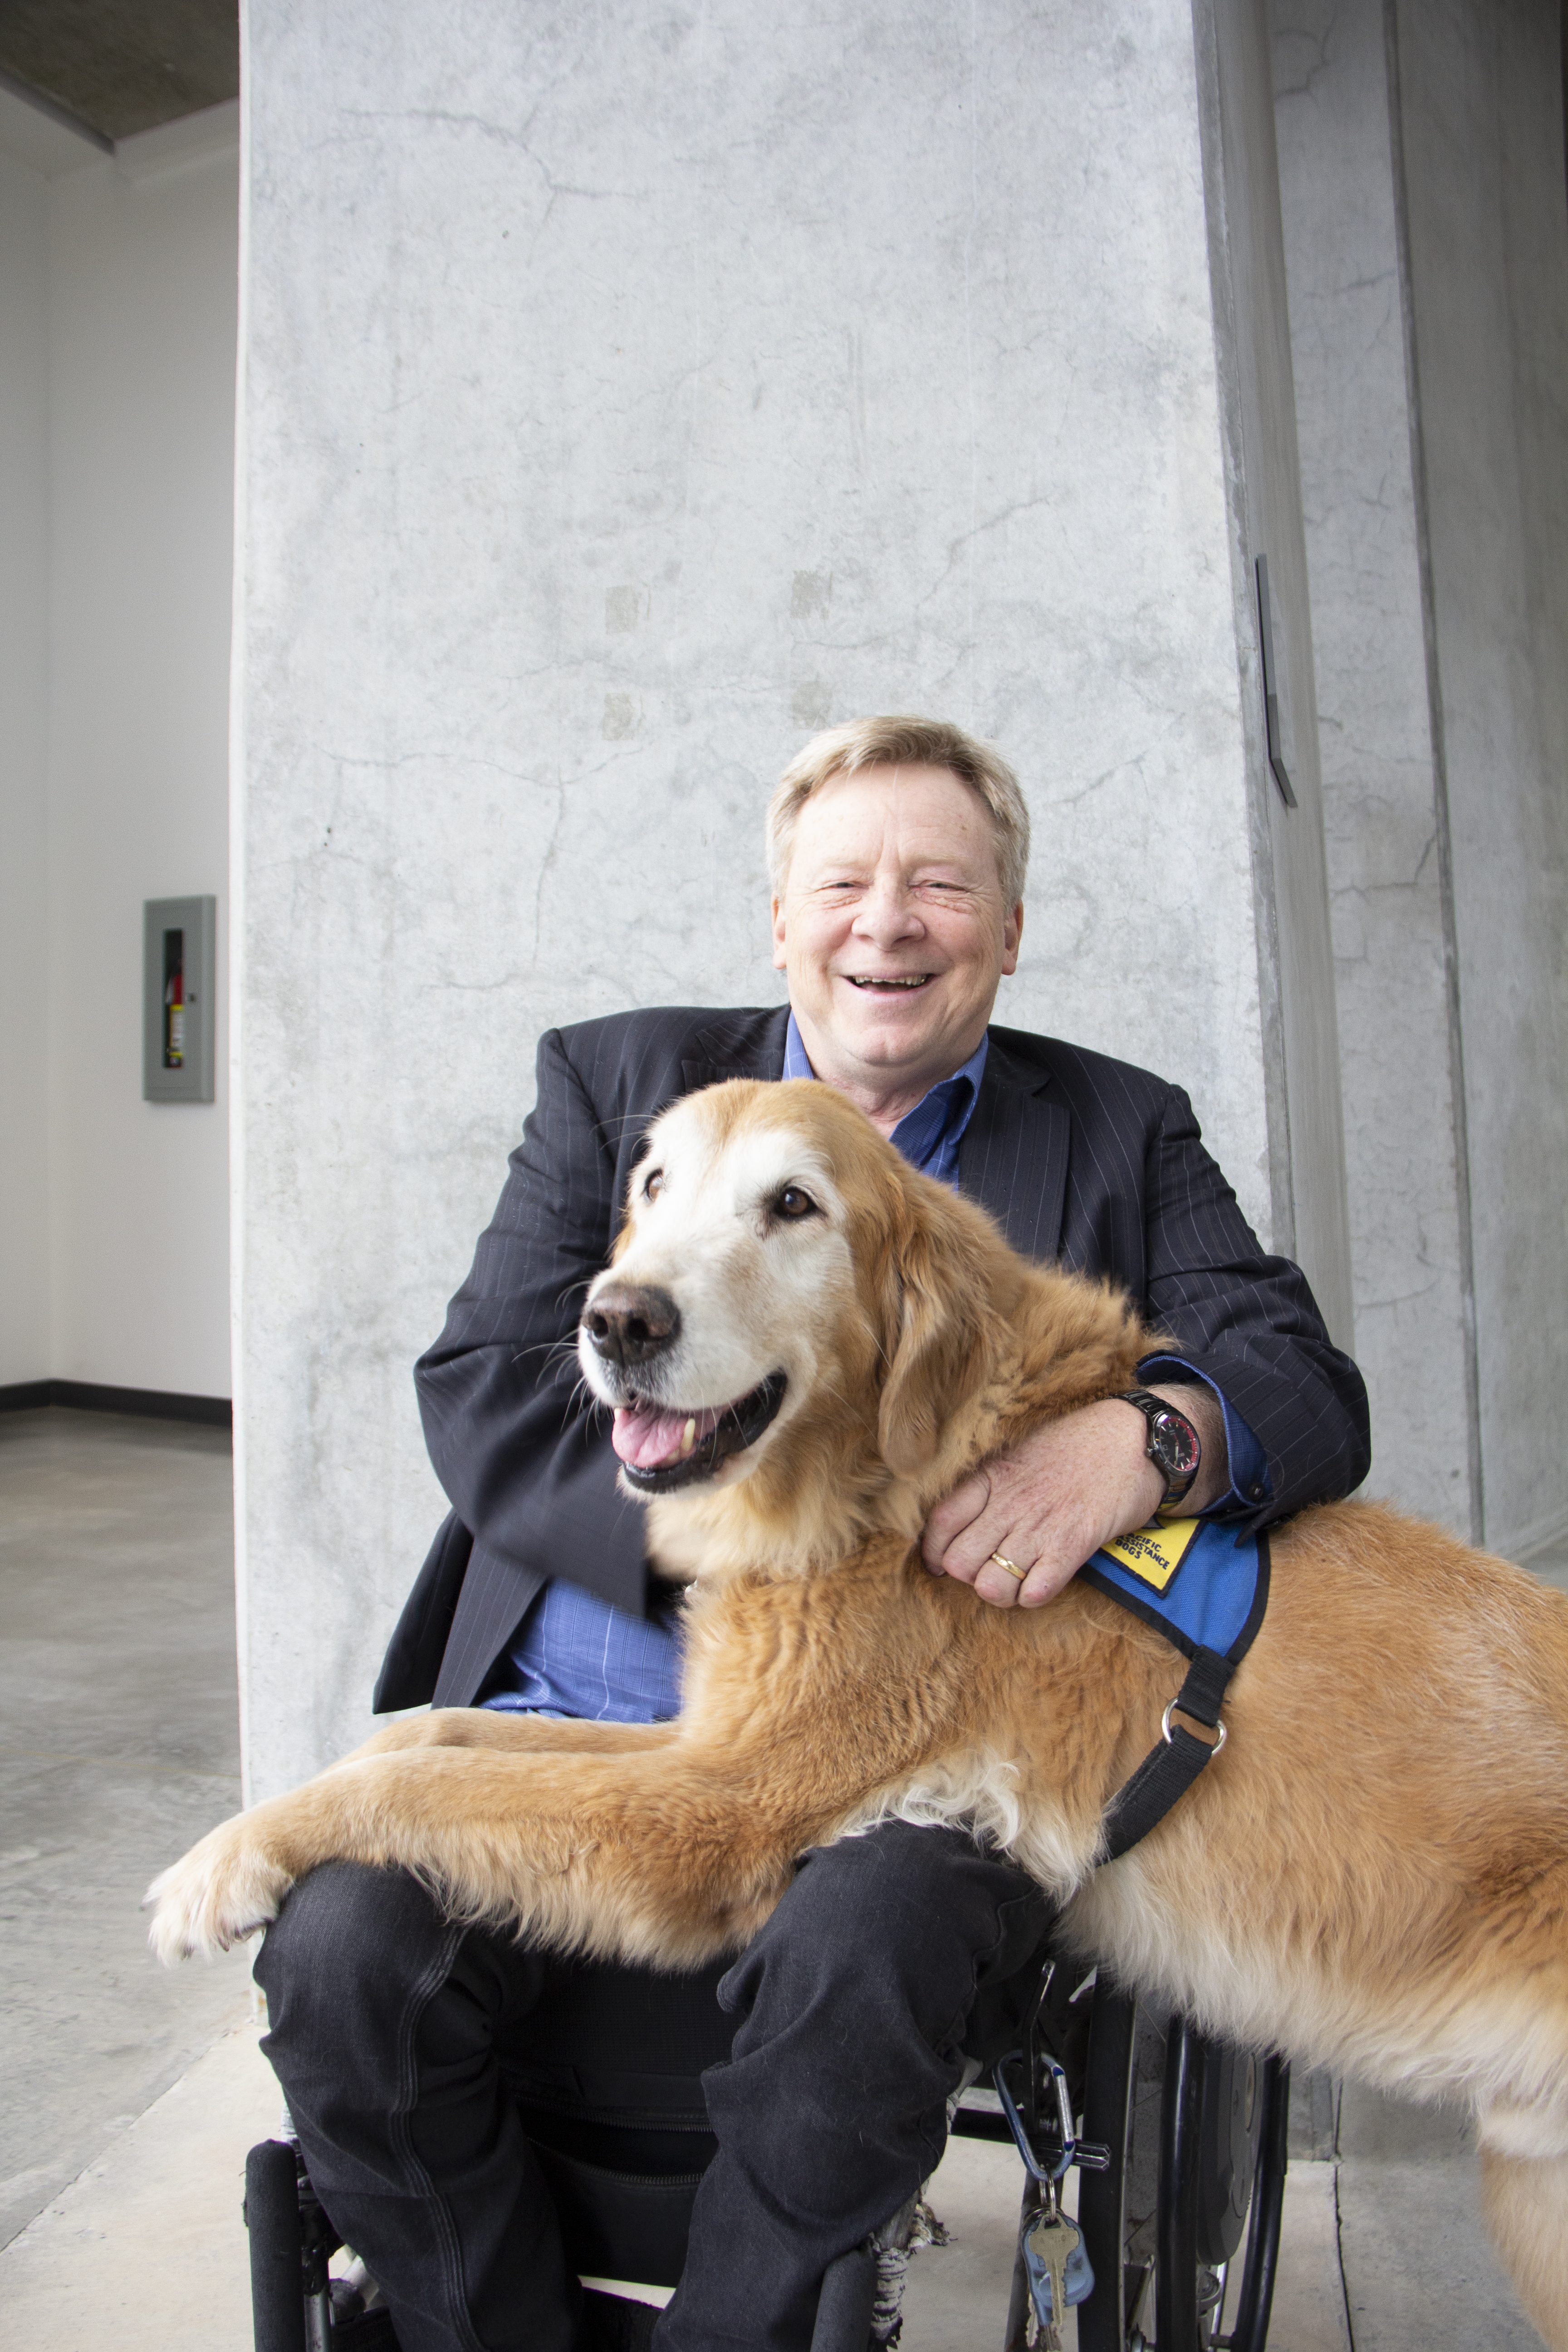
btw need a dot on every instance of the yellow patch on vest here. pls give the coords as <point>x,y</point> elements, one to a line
<point>1154,1553</point>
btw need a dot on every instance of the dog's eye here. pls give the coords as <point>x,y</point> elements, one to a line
<point>653,1184</point>
<point>793,1203</point>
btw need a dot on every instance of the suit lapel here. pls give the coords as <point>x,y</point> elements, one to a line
<point>1014,1153</point>
<point>715,1057</point>
<point>497,1595</point>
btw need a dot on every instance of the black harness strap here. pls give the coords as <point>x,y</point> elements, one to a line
<point>1169,1771</point>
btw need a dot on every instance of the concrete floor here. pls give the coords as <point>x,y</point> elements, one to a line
<point>133,2093</point>
<point>120,1746</point>
<point>145,2251</point>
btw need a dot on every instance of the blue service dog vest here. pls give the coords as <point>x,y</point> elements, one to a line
<point>1192,1580</point>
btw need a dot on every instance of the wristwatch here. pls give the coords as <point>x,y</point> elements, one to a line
<point>1173,1446</point>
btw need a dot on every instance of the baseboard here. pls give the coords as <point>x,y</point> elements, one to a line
<point>90,1396</point>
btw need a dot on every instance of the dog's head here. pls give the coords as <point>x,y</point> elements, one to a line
<point>782,1269</point>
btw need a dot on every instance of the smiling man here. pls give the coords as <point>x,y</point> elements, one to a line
<point>898,849</point>
<point>898,911</point>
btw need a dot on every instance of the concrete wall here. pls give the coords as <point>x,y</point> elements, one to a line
<point>128,354</point>
<point>1479,106</point>
<point>625,399</point>
<point>1428,238</point>
<point>1309,1213</point>
<point>1400,1046</point>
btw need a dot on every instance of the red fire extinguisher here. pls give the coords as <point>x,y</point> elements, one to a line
<point>174,1001</point>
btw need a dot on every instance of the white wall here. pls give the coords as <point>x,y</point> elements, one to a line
<point>23,692</point>
<point>129,613</point>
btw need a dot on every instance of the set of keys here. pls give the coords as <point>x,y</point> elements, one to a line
<point>1056,2268</point>
<point>1056,2265</point>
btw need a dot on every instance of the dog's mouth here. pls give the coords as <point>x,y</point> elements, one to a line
<point>660,1449</point>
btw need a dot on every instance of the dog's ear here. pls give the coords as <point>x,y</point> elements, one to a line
<point>936,1297</point>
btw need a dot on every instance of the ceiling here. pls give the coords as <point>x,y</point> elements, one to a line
<point>117,66</point>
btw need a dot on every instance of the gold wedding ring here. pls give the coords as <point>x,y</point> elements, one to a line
<point>1010,1565</point>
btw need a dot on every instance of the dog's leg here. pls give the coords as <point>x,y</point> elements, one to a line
<point>673,1842</point>
<point>1525,2201</point>
<point>671,1857</point>
<point>486,1726</point>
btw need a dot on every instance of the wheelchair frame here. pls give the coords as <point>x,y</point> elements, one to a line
<point>1182,2157</point>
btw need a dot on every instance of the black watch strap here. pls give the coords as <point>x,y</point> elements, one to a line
<point>1177,1463</point>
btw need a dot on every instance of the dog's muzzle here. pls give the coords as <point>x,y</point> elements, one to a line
<point>686,1447</point>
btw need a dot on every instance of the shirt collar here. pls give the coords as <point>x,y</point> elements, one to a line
<point>797,1061</point>
<point>939,1116</point>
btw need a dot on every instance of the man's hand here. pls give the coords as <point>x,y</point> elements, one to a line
<point>1060,1494</point>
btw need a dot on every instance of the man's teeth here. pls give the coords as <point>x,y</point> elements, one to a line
<point>913,979</point>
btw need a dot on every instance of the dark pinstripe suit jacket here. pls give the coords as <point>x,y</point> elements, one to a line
<point>1078,1156</point>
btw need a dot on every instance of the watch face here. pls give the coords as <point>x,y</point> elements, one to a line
<point>1174,1446</point>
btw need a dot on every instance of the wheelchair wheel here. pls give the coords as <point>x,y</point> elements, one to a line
<point>271,2211</point>
<point>1197,2139</point>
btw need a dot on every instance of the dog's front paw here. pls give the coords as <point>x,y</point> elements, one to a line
<point>224,1889</point>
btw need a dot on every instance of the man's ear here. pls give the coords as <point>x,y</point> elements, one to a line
<point>935,1300</point>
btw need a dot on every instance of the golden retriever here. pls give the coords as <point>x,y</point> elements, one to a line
<point>808,1345</point>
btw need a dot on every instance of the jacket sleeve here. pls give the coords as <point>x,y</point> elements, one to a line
<point>1251,1323</point>
<point>523,1452</point>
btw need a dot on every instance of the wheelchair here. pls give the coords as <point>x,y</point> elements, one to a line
<point>1178,2143</point>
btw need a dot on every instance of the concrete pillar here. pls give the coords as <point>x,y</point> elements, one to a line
<point>1479,90</point>
<point>1422,164</point>
<point>625,396</point>
<point>1402,1052</point>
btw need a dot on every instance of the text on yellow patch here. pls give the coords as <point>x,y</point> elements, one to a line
<point>1155,1552</point>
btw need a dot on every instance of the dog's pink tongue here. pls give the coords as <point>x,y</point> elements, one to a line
<point>649,1439</point>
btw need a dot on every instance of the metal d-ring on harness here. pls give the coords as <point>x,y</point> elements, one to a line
<point>1168,1771</point>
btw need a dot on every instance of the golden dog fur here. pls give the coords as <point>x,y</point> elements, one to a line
<point>1374,1874</point>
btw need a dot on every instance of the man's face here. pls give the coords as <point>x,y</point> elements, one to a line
<point>893,927</point>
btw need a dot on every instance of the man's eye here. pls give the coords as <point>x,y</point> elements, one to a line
<point>653,1184</point>
<point>793,1203</point>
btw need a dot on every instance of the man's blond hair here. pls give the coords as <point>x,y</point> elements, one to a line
<point>903,742</point>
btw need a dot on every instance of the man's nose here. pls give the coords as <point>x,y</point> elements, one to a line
<point>888,913</point>
<point>627,1322</point>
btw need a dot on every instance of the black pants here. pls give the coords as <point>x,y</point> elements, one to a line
<point>392,2030</point>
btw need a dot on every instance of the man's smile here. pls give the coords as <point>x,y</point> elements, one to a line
<point>889,980</point>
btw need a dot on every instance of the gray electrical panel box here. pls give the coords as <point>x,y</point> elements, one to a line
<point>179,999</point>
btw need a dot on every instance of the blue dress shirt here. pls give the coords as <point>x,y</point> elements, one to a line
<point>575,1655</point>
<point>929,1136</point>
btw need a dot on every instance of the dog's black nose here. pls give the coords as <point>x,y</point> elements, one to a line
<point>627,1323</point>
